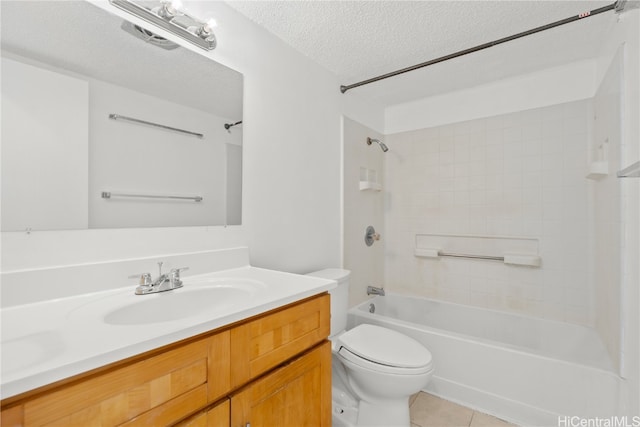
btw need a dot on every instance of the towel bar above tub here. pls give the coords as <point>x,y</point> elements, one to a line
<point>108,195</point>
<point>514,259</point>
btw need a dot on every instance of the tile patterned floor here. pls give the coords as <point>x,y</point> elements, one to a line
<point>431,411</point>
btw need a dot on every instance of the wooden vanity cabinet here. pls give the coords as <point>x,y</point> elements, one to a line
<point>12,417</point>
<point>297,394</point>
<point>274,369</point>
<point>262,344</point>
<point>158,390</point>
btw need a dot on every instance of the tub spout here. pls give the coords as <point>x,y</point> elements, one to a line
<point>372,290</point>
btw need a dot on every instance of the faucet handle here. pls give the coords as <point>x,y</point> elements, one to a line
<point>145,278</point>
<point>174,275</point>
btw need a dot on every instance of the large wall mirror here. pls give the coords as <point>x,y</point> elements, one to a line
<point>102,129</point>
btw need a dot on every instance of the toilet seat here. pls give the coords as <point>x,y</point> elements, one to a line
<point>383,350</point>
<point>362,363</point>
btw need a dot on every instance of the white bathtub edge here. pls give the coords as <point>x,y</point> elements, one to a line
<point>524,387</point>
<point>515,412</point>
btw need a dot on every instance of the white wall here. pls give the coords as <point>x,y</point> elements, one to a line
<point>552,86</point>
<point>291,166</point>
<point>292,150</point>
<point>362,208</point>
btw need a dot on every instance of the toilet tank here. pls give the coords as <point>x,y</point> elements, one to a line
<point>339,296</point>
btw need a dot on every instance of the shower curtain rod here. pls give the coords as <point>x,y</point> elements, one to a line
<point>618,6</point>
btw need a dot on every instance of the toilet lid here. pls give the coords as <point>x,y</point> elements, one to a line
<point>385,347</point>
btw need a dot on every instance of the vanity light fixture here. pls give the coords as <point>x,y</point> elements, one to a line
<point>170,16</point>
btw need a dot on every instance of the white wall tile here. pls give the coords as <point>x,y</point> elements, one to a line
<point>364,208</point>
<point>519,174</point>
<point>533,147</point>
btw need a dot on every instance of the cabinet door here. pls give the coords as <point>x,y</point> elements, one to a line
<point>217,416</point>
<point>159,390</point>
<point>297,394</point>
<point>264,343</point>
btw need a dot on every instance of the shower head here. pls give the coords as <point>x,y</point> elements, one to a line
<point>382,146</point>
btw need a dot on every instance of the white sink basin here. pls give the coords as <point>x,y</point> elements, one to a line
<point>195,298</point>
<point>32,349</point>
<point>173,305</point>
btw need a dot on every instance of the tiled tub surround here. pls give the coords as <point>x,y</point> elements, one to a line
<point>46,341</point>
<point>514,175</point>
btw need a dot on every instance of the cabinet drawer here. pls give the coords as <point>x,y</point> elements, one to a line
<point>264,343</point>
<point>148,390</point>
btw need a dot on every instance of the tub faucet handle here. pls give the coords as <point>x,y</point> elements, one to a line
<point>371,235</point>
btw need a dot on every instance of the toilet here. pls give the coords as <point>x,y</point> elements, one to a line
<point>374,369</point>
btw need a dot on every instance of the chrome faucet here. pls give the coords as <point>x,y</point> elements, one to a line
<point>164,282</point>
<point>372,290</point>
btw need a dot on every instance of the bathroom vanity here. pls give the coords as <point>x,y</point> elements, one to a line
<point>215,379</point>
<point>225,367</point>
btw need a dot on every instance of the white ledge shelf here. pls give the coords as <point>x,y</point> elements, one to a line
<point>370,185</point>
<point>516,251</point>
<point>632,171</point>
<point>529,260</point>
<point>598,170</point>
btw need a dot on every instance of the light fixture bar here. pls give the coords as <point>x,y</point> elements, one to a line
<point>207,42</point>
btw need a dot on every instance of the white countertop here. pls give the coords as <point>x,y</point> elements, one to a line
<point>48,341</point>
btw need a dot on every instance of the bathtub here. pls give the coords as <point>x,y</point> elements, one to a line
<point>526,370</point>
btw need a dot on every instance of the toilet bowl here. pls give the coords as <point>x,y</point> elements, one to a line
<point>374,369</point>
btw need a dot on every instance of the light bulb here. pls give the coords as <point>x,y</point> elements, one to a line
<point>206,29</point>
<point>211,24</point>
<point>170,8</point>
<point>177,6</point>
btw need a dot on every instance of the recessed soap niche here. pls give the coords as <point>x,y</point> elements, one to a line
<point>369,179</point>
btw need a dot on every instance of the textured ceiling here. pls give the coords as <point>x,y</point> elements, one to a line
<point>79,37</point>
<point>357,40</point>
